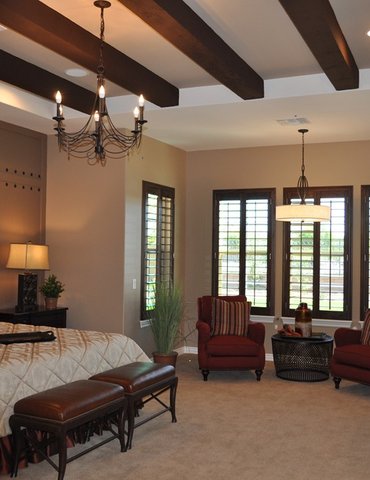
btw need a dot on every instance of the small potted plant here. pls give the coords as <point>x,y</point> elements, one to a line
<point>165,322</point>
<point>51,289</point>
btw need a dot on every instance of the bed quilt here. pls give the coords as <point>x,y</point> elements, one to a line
<point>27,368</point>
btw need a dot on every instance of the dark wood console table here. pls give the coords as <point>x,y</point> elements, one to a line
<point>57,317</point>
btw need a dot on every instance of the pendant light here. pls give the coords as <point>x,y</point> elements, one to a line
<point>302,212</point>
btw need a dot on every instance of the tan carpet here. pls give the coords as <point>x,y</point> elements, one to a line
<point>233,427</point>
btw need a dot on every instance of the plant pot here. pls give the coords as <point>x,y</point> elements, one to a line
<point>51,303</point>
<point>165,358</point>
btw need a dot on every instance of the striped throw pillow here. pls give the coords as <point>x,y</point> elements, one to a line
<point>230,318</point>
<point>365,334</point>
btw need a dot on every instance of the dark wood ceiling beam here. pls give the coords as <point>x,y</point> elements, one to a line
<point>47,27</point>
<point>180,25</point>
<point>316,22</point>
<point>43,83</point>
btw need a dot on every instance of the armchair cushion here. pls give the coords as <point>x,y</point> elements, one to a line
<point>232,346</point>
<point>354,355</point>
<point>365,332</point>
<point>230,317</point>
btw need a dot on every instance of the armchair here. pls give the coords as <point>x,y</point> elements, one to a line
<point>228,352</point>
<point>351,358</point>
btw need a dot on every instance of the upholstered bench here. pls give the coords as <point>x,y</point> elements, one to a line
<point>62,409</point>
<point>143,380</point>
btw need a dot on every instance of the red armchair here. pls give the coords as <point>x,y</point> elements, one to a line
<point>228,352</point>
<point>351,359</point>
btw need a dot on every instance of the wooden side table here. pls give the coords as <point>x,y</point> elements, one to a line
<point>56,317</point>
<point>302,359</point>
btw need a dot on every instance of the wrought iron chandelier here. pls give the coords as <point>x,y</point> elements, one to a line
<point>302,212</point>
<point>99,139</point>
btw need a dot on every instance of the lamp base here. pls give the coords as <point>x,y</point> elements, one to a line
<point>27,292</point>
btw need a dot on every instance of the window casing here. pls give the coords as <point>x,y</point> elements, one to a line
<point>365,250</point>
<point>243,242</point>
<point>158,223</point>
<point>317,256</point>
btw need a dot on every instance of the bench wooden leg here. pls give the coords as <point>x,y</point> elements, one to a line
<point>173,390</point>
<point>131,409</point>
<point>17,445</point>
<point>62,448</point>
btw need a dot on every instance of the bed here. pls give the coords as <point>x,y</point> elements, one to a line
<point>27,368</point>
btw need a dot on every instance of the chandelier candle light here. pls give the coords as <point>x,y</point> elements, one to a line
<point>99,138</point>
<point>302,212</point>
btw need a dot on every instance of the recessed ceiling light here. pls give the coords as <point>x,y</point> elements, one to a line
<point>368,33</point>
<point>76,72</point>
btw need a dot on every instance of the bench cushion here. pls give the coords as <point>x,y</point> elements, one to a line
<point>137,375</point>
<point>68,401</point>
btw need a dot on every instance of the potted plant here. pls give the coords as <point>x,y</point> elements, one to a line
<point>165,322</point>
<point>51,289</point>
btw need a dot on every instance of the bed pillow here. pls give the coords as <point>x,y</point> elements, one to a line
<point>230,318</point>
<point>365,334</point>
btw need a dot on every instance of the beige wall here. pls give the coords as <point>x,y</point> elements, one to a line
<point>93,217</point>
<point>93,224</point>
<point>157,163</point>
<point>85,232</point>
<point>326,164</point>
<point>22,199</point>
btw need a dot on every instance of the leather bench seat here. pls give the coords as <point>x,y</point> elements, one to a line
<point>61,409</point>
<point>139,380</point>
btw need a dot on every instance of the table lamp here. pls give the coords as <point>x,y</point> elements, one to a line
<point>27,257</point>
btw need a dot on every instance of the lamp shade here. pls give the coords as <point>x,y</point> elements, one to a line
<point>27,256</point>
<point>303,213</point>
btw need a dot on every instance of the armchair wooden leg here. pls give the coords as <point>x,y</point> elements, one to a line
<point>259,374</point>
<point>337,381</point>
<point>205,374</point>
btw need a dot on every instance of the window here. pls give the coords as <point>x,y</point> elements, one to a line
<point>243,239</point>
<point>317,256</point>
<point>365,250</point>
<point>157,242</point>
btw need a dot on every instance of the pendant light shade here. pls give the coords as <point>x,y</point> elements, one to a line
<point>302,212</point>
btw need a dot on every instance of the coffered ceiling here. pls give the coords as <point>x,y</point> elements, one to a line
<point>215,73</point>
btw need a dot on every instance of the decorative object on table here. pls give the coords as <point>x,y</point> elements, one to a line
<point>27,257</point>
<point>99,138</point>
<point>51,289</point>
<point>278,324</point>
<point>302,212</point>
<point>288,331</point>
<point>165,322</point>
<point>303,320</point>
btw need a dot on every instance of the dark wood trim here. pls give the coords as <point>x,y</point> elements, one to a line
<point>160,190</point>
<point>317,24</point>
<point>242,195</point>
<point>49,28</point>
<point>180,25</point>
<point>364,275</point>
<point>317,193</point>
<point>43,83</point>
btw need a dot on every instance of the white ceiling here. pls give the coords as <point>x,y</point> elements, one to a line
<point>209,115</point>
